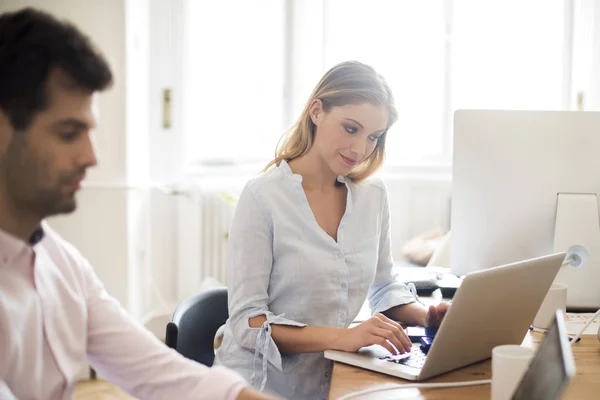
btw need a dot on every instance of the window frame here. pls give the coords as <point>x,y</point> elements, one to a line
<point>295,14</point>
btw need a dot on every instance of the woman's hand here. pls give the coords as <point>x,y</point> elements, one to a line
<point>376,330</point>
<point>435,314</point>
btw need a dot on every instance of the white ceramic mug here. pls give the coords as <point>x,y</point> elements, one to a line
<point>555,298</point>
<point>509,363</point>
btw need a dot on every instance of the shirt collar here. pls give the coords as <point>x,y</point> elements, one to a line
<point>11,246</point>
<point>285,168</point>
<point>36,236</point>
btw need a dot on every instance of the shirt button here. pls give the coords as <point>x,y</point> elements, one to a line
<point>342,316</point>
<point>343,286</point>
<point>340,256</point>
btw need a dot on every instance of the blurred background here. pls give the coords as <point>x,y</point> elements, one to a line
<point>205,88</point>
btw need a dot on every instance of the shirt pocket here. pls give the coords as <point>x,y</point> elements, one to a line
<point>363,259</point>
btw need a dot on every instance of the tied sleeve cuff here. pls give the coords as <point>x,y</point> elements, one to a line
<point>267,348</point>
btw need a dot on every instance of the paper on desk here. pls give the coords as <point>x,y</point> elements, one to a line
<point>576,322</point>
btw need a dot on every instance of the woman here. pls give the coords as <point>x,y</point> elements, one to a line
<point>310,241</point>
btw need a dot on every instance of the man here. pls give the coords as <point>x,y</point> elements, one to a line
<point>54,311</point>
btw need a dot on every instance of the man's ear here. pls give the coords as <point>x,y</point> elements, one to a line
<point>316,111</point>
<point>6,131</point>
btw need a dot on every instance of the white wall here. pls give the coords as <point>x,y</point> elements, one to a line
<point>127,229</point>
<point>107,225</point>
<point>165,150</point>
<point>104,22</point>
<point>418,203</point>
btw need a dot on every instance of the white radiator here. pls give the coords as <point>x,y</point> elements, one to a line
<point>215,219</point>
<point>204,218</point>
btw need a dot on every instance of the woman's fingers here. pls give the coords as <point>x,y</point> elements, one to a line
<point>435,314</point>
<point>380,340</point>
<point>391,337</point>
<point>442,309</point>
<point>432,317</point>
<point>396,328</point>
<point>400,335</point>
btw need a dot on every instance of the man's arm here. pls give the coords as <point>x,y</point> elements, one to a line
<point>127,354</point>
<point>5,393</point>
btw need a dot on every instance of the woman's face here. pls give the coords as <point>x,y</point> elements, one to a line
<point>346,135</point>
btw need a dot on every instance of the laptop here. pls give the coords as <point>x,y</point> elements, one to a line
<point>492,307</point>
<point>552,367</point>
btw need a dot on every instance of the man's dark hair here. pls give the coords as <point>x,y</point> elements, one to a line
<point>32,44</point>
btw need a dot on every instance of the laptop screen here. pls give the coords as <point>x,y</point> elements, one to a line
<point>551,368</point>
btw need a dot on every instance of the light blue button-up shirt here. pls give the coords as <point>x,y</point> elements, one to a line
<point>283,265</point>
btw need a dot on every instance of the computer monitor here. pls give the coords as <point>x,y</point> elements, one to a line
<point>552,367</point>
<point>524,185</point>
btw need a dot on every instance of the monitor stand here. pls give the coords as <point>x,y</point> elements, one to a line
<point>577,222</point>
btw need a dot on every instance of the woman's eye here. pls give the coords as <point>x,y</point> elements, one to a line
<point>374,138</point>
<point>350,129</point>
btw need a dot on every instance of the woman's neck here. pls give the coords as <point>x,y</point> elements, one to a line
<point>316,174</point>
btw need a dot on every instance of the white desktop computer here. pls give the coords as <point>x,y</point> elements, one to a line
<point>526,184</point>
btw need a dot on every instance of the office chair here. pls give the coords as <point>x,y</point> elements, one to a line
<point>195,323</point>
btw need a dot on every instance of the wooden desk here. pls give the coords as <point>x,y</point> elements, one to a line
<point>585,385</point>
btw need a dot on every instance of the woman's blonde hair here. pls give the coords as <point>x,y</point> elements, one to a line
<point>350,82</point>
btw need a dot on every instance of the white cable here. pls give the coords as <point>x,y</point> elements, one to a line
<point>576,338</point>
<point>395,386</point>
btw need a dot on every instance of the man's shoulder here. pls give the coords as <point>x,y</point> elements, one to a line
<point>57,246</point>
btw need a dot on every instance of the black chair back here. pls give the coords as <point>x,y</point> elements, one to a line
<point>195,323</point>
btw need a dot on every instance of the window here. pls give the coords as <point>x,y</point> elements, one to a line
<point>252,63</point>
<point>508,54</point>
<point>405,42</point>
<point>233,86</point>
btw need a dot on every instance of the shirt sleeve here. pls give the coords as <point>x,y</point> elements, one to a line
<point>386,291</point>
<point>4,343</point>
<point>249,264</point>
<point>5,393</point>
<point>128,355</point>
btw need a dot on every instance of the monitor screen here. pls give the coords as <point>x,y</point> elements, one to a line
<point>551,368</point>
<point>523,186</point>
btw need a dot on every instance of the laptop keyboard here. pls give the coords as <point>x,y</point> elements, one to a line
<point>416,358</point>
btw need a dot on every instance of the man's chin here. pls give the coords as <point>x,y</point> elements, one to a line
<point>68,209</point>
<point>65,207</point>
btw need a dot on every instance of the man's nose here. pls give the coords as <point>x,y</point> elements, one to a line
<point>87,157</point>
